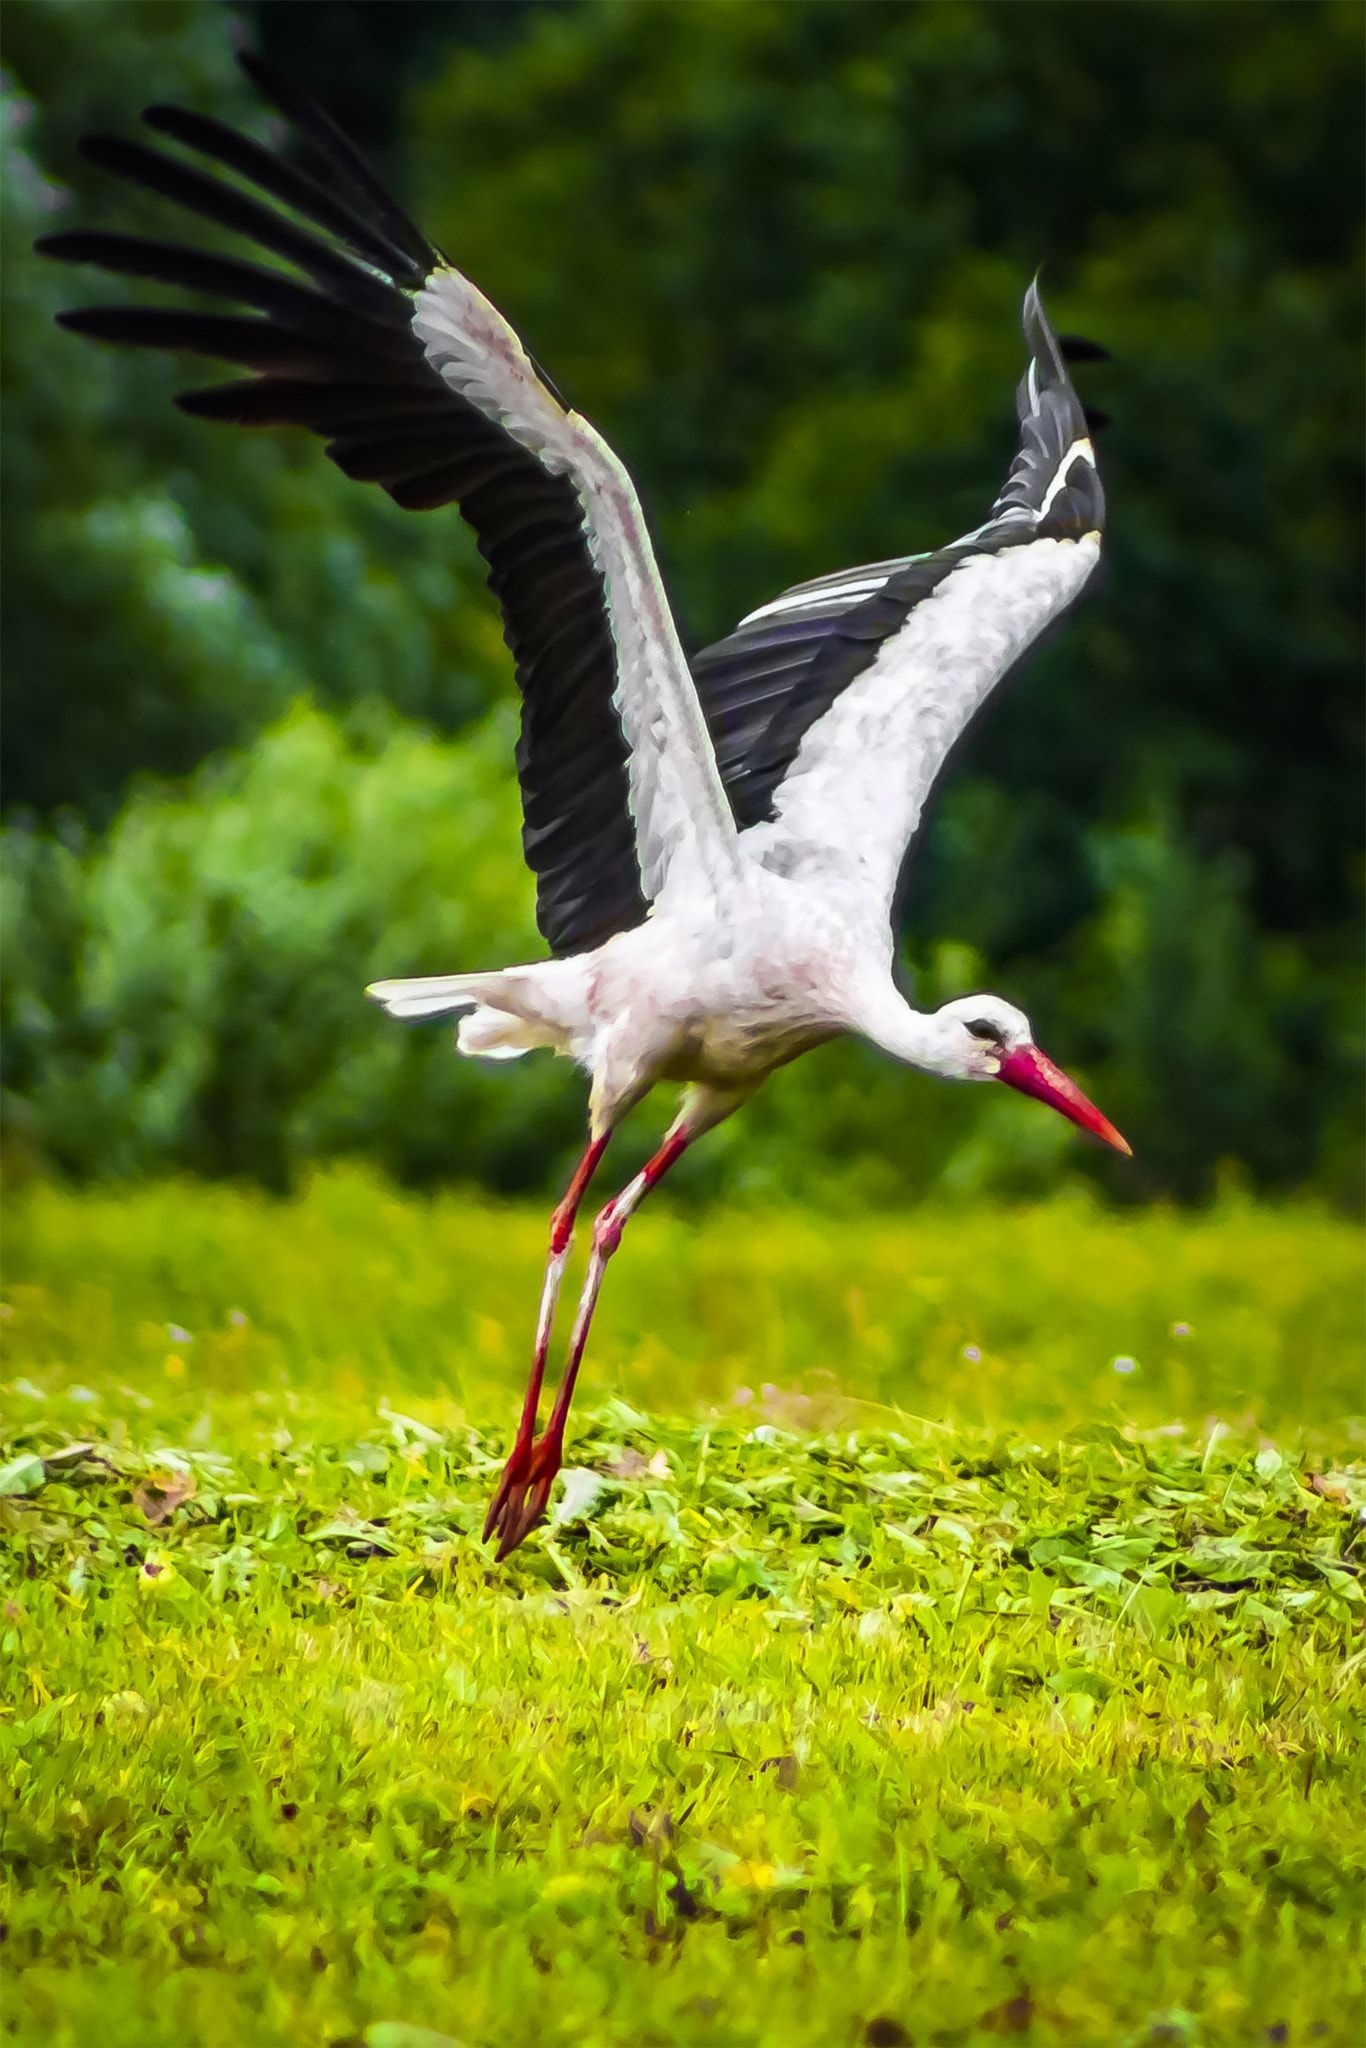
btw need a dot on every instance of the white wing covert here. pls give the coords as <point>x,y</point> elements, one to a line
<point>833,708</point>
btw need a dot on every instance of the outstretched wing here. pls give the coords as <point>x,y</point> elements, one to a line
<point>833,708</point>
<point>418,384</point>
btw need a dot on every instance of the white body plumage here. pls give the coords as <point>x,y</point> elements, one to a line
<point>716,843</point>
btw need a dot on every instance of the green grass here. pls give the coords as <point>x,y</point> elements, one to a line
<point>894,1669</point>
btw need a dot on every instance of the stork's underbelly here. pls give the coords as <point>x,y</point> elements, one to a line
<point>733,1051</point>
<point>677,1000</point>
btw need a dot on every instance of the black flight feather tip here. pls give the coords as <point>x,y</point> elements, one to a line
<point>338,152</point>
<point>332,342</point>
<point>223,145</point>
<point>1077,348</point>
<point>769,682</point>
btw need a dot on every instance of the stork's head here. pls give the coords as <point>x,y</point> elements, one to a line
<point>984,1038</point>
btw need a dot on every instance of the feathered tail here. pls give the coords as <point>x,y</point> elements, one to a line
<point>504,1016</point>
<point>431,995</point>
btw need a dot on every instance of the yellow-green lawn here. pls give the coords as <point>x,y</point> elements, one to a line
<point>951,1629</point>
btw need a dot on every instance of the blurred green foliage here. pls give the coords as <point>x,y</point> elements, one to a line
<point>776,252</point>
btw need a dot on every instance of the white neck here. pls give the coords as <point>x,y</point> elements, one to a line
<point>881,1013</point>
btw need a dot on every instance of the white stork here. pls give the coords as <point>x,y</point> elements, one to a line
<point>716,845</point>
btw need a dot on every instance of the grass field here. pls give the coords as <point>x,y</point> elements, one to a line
<point>950,1631</point>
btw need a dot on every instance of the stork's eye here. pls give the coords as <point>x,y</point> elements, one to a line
<point>981,1028</point>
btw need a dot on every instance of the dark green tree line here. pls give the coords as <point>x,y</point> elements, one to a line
<point>776,252</point>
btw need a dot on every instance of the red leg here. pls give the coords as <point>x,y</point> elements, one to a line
<point>516,1471</point>
<point>518,1509</point>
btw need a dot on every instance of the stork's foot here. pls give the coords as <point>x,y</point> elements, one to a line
<point>523,1493</point>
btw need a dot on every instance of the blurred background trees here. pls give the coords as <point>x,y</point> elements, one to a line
<point>258,724</point>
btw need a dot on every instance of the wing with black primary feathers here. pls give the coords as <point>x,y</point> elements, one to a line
<point>335,347</point>
<point>833,708</point>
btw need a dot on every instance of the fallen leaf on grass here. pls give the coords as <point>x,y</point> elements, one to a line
<point>69,1454</point>
<point>23,1474</point>
<point>582,1490</point>
<point>784,1769</point>
<point>157,1499</point>
<point>362,1539</point>
<point>1013,2016</point>
<point>633,1464</point>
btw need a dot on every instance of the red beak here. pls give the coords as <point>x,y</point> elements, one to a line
<point>1033,1073</point>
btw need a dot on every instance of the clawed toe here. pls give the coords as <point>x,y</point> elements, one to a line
<point>513,1472</point>
<point>523,1495</point>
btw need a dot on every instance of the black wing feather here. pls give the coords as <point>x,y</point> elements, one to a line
<point>768,683</point>
<point>223,145</point>
<point>336,353</point>
<point>338,153</point>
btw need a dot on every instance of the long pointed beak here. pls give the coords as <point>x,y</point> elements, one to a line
<point>1033,1073</point>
